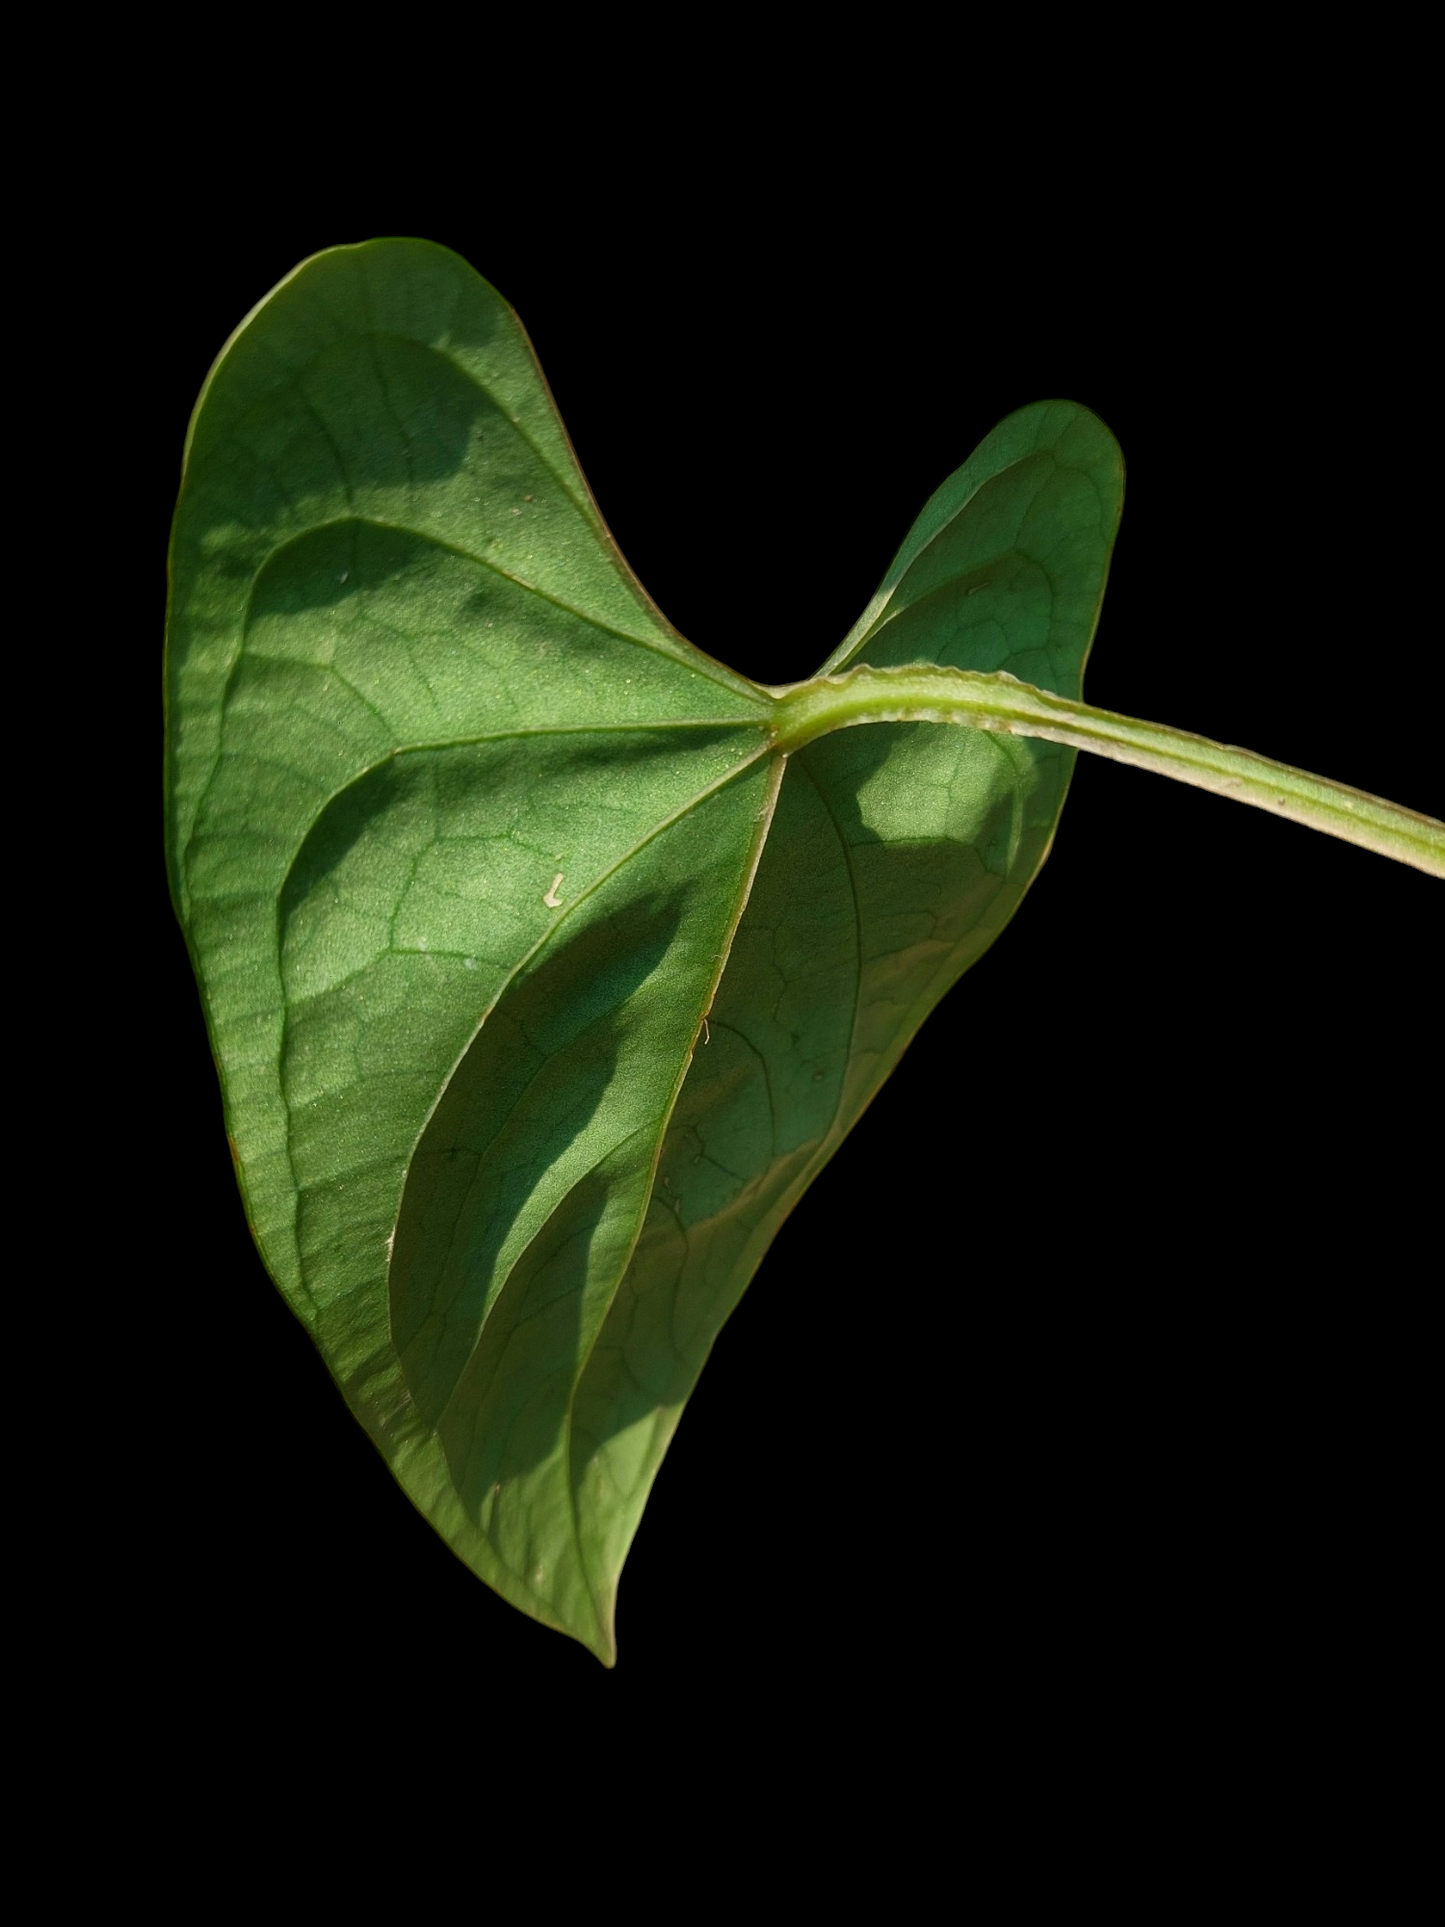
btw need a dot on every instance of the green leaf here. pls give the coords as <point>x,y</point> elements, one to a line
<point>541,980</point>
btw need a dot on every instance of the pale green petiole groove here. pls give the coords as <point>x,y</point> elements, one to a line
<point>1012,708</point>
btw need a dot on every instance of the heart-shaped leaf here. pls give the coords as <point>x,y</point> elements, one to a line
<point>542,977</point>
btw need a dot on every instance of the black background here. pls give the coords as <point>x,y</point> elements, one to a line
<point>1085,1390</point>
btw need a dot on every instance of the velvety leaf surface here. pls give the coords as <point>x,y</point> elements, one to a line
<point>540,983</point>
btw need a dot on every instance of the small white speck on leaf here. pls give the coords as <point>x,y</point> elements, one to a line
<point>552,900</point>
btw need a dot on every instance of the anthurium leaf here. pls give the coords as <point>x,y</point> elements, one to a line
<point>541,979</point>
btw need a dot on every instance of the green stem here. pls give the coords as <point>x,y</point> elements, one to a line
<point>1011,708</point>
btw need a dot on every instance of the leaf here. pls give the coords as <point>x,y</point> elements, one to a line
<point>541,981</point>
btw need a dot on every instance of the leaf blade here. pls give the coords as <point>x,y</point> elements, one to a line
<point>433,784</point>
